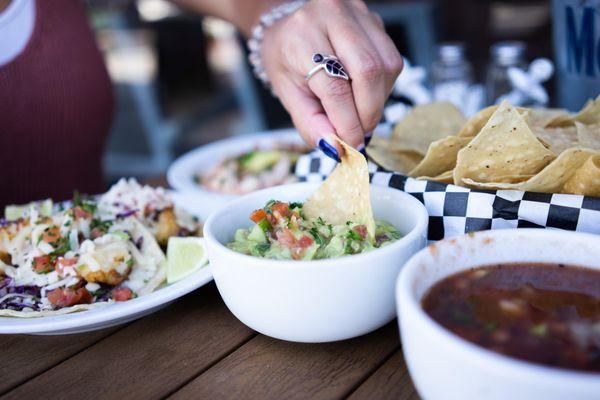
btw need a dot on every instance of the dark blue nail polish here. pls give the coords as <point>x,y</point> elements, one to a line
<point>329,150</point>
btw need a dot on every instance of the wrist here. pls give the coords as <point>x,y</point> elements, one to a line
<point>264,22</point>
<point>249,13</point>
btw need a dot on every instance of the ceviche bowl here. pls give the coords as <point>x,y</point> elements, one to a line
<point>318,300</point>
<point>445,366</point>
<point>183,173</point>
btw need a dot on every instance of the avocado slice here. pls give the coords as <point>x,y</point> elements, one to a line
<point>259,160</point>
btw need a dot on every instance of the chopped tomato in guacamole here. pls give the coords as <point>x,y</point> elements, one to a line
<point>281,231</point>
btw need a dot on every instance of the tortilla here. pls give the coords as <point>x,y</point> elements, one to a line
<point>586,180</point>
<point>473,126</point>
<point>589,115</point>
<point>588,135</point>
<point>557,139</point>
<point>149,261</point>
<point>551,179</point>
<point>425,124</point>
<point>150,268</point>
<point>541,117</point>
<point>345,194</point>
<point>440,157</point>
<point>444,177</point>
<point>401,161</point>
<point>504,147</point>
<point>48,313</point>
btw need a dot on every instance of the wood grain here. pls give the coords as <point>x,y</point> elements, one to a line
<point>266,368</point>
<point>150,358</point>
<point>23,357</point>
<point>390,381</point>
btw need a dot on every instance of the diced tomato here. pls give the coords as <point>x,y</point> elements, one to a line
<point>51,234</point>
<point>79,212</point>
<point>286,238</point>
<point>258,215</point>
<point>361,230</point>
<point>282,208</point>
<point>121,294</point>
<point>69,296</point>
<point>305,242</point>
<point>96,233</point>
<point>62,263</point>
<point>42,264</point>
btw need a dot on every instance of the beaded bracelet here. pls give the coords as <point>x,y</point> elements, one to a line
<point>267,20</point>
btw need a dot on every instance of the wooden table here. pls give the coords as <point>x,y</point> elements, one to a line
<point>196,349</point>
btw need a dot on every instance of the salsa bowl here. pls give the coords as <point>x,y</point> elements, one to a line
<point>445,366</point>
<point>318,300</point>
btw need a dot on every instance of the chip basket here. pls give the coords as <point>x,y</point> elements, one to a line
<point>455,210</point>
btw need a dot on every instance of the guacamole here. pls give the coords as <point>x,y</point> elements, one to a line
<point>282,232</point>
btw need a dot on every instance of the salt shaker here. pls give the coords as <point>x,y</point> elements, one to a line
<point>504,55</point>
<point>451,74</point>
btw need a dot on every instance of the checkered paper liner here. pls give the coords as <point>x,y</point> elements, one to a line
<point>455,210</point>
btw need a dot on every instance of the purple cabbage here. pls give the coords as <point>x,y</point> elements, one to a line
<point>7,286</point>
<point>126,214</point>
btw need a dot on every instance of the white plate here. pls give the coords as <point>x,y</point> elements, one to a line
<point>112,314</point>
<point>182,172</point>
<point>115,313</point>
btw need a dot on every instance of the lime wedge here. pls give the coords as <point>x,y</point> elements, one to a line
<point>15,211</point>
<point>185,255</point>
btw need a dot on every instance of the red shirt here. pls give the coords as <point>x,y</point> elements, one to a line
<point>56,105</point>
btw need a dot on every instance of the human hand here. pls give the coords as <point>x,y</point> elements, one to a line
<point>324,105</point>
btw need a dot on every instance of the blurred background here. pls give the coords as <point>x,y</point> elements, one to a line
<point>182,80</point>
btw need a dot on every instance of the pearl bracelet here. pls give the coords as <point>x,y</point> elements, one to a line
<point>267,20</point>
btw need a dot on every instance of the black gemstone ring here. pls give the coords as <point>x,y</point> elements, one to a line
<point>330,64</point>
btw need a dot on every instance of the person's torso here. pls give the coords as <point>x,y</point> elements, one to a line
<point>56,106</point>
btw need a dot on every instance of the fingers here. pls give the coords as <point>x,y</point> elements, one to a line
<point>309,118</point>
<point>365,67</point>
<point>338,102</point>
<point>372,25</point>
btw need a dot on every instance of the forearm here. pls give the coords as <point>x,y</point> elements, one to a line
<point>241,13</point>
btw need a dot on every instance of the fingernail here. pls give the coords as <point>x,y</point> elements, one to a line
<point>329,150</point>
<point>363,150</point>
<point>368,137</point>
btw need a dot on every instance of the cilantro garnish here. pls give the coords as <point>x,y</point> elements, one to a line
<point>353,235</point>
<point>314,232</point>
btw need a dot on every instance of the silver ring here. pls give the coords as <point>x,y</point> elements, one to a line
<point>330,64</point>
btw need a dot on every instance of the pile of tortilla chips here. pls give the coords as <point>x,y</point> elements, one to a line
<point>500,147</point>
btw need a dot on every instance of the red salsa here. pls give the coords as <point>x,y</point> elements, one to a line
<point>543,313</point>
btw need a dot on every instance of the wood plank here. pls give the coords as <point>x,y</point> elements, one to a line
<point>266,368</point>
<point>150,358</point>
<point>390,381</point>
<point>23,357</point>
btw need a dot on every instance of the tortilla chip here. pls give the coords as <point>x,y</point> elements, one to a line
<point>557,139</point>
<point>444,177</point>
<point>588,135</point>
<point>473,126</point>
<point>541,117</point>
<point>589,115</point>
<point>440,157</point>
<point>550,180</point>
<point>504,147</point>
<point>586,180</point>
<point>425,124</point>
<point>345,194</point>
<point>391,159</point>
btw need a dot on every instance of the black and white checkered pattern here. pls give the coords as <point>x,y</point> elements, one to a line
<point>455,210</point>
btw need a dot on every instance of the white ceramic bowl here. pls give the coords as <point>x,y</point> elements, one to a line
<point>182,172</point>
<point>313,301</point>
<point>444,366</point>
